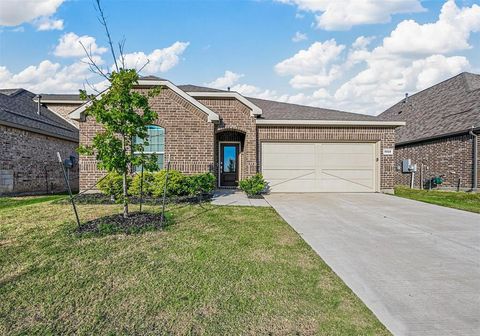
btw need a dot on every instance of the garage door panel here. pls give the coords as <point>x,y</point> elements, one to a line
<point>288,174</point>
<point>319,167</point>
<point>289,161</point>
<point>343,161</point>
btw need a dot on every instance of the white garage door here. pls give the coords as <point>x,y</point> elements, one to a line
<point>319,167</point>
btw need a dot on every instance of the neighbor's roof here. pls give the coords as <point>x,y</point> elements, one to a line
<point>18,109</point>
<point>449,107</point>
<point>61,98</point>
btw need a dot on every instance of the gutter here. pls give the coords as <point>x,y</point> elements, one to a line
<point>475,159</point>
<point>380,123</point>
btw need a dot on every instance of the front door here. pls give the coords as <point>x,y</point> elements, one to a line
<point>229,164</point>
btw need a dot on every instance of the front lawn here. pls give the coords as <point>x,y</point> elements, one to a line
<point>215,270</point>
<point>451,199</point>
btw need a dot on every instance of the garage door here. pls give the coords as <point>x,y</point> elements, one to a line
<point>319,167</point>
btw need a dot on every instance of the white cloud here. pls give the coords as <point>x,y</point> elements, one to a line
<point>69,45</point>
<point>312,67</point>
<point>369,80</point>
<point>450,33</point>
<point>228,79</point>
<point>48,23</point>
<point>159,60</point>
<point>343,14</point>
<point>54,77</point>
<point>16,12</point>
<point>298,37</point>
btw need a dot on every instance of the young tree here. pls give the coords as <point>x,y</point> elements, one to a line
<point>124,115</point>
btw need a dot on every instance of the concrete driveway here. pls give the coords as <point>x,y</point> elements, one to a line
<point>415,265</point>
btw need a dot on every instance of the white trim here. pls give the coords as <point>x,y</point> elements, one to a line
<point>331,122</point>
<point>220,156</point>
<point>256,111</point>
<point>56,101</point>
<point>212,116</point>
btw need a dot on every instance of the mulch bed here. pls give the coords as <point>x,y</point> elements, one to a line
<point>136,222</point>
<point>104,199</point>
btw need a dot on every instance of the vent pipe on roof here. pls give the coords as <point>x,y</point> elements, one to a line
<point>406,98</point>
<point>39,104</point>
<point>228,88</point>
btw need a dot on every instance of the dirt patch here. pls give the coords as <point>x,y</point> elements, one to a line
<point>136,222</point>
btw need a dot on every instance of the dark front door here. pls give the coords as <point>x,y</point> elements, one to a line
<point>229,164</point>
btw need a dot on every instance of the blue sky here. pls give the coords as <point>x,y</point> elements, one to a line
<point>307,52</point>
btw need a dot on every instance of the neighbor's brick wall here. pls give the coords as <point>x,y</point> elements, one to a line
<point>236,117</point>
<point>29,164</point>
<point>386,136</point>
<point>451,156</point>
<point>189,137</point>
<point>64,110</point>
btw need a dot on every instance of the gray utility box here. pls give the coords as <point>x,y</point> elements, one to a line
<point>408,167</point>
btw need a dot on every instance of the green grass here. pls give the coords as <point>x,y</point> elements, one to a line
<point>215,271</point>
<point>457,200</point>
<point>12,202</point>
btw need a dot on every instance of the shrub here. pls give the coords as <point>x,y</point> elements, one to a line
<point>253,185</point>
<point>200,183</point>
<point>148,184</point>
<point>175,186</point>
<point>112,185</point>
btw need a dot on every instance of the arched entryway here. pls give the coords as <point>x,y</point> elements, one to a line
<point>228,157</point>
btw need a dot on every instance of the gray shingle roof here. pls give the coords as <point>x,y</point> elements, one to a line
<point>449,107</point>
<point>274,110</point>
<point>61,97</point>
<point>18,109</point>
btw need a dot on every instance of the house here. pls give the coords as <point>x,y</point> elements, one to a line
<point>441,133</point>
<point>30,137</point>
<point>297,148</point>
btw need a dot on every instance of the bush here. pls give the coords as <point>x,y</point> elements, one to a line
<point>200,183</point>
<point>253,185</point>
<point>112,185</point>
<point>176,185</point>
<point>148,184</point>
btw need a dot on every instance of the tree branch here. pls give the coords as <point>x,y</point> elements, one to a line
<point>103,21</point>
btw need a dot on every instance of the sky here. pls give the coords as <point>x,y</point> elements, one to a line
<point>353,55</point>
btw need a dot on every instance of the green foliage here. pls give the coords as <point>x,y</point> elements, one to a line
<point>148,184</point>
<point>200,183</point>
<point>112,185</point>
<point>178,184</point>
<point>175,185</point>
<point>124,115</point>
<point>253,185</point>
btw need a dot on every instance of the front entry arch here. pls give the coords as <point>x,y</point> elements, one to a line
<point>229,155</point>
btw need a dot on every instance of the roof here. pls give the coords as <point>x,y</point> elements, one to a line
<point>61,98</point>
<point>274,110</point>
<point>449,107</point>
<point>18,109</point>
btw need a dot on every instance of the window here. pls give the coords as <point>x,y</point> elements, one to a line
<point>156,144</point>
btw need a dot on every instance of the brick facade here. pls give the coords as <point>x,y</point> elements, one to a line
<point>450,156</point>
<point>235,117</point>
<point>191,142</point>
<point>64,110</point>
<point>29,164</point>
<point>385,136</point>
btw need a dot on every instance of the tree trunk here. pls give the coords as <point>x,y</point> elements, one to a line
<point>125,201</point>
<point>125,172</point>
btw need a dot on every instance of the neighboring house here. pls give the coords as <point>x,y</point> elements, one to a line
<point>297,148</point>
<point>30,137</point>
<point>441,132</point>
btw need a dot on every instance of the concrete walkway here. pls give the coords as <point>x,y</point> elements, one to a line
<point>236,197</point>
<point>415,265</point>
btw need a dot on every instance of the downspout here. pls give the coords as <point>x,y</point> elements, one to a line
<point>475,159</point>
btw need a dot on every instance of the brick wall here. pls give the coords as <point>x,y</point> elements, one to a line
<point>386,137</point>
<point>450,156</point>
<point>29,164</point>
<point>64,110</point>
<point>236,117</point>
<point>189,137</point>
